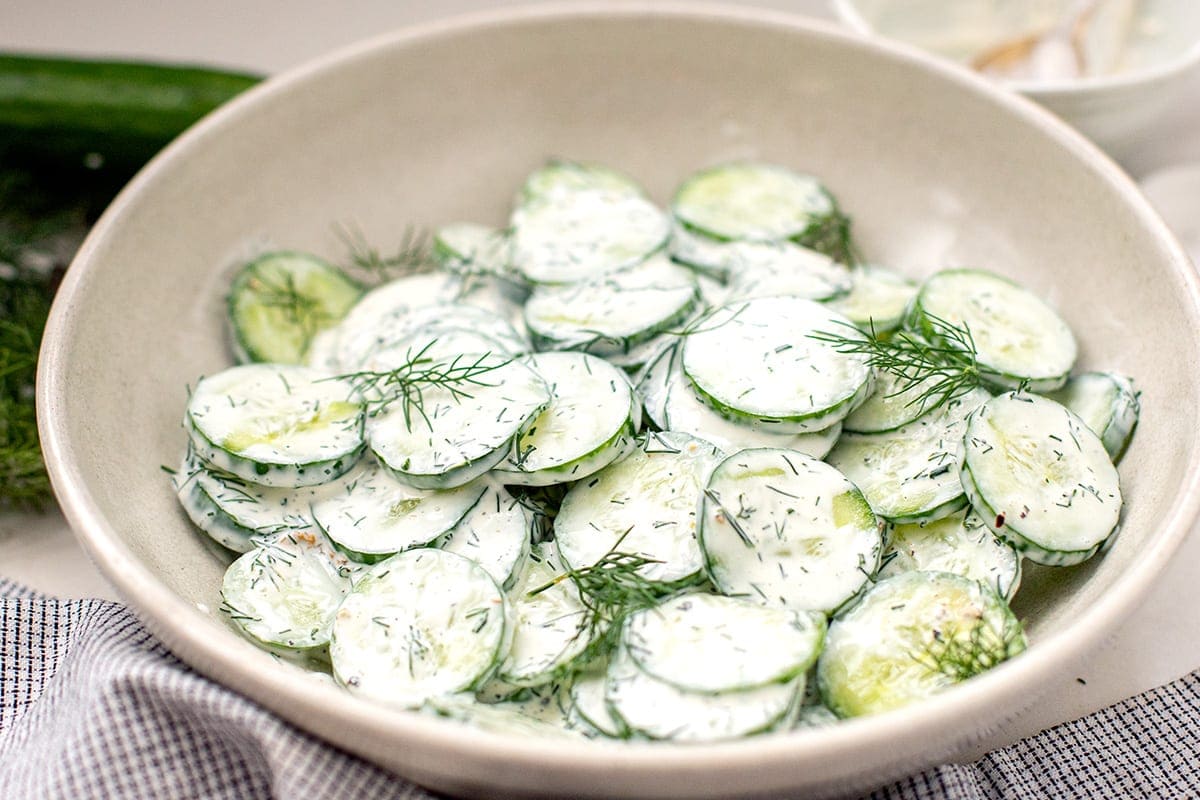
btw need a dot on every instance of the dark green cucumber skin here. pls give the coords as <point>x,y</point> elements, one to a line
<point>64,112</point>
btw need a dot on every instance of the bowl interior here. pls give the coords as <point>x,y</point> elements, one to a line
<point>442,124</point>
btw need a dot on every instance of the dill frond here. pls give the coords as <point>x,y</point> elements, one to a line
<point>412,256</point>
<point>407,383</point>
<point>944,369</point>
<point>610,589</point>
<point>960,654</point>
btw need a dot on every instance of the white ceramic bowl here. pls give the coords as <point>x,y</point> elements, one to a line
<point>441,122</point>
<point>1116,111</point>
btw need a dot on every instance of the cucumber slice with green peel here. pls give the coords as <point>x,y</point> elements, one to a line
<point>280,301</point>
<point>785,530</point>
<point>561,177</point>
<point>910,474</point>
<point>496,533</point>
<point>755,360</point>
<point>465,248</point>
<point>894,403</point>
<point>459,432</point>
<point>285,592</point>
<point>432,345</point>
<point>589,708</point>
<point>376,516</point>
<point>422,624</point>
<point>1108,403</point>
<point>653,382</point>
<point>683,411</point>
<point>578,235</point>
<point>542,713</point>
<point>238,514</point>
<point>1019,339</point>
<point>416,329</point>
<point>1040,479</point>
<point>550,623</point>
<point>815,716</point>
<point>760,269</point>
<point>610,314</point>
<point>771,269</point>
<point>647,503</point>
<point>276,424</point>
<point>712,644</point>
<point>590,422</point>
<point>961,544</point>
<point>655,709</point>
<point>910,637</point>
<point>877,300</point>
<point>754,201</point>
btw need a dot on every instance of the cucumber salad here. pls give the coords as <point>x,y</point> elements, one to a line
<point>617,471</point>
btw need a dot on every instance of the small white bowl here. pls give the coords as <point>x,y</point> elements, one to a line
<point>440,122</point>
<point>1114,110</point>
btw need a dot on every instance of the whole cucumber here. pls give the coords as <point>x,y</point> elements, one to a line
<point>108,114</point>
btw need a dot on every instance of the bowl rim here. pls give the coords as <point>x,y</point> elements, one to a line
<point>329,711</point>
<point>1183,62</point>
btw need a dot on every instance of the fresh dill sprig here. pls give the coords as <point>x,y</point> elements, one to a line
<point>960,654</point>
<point>610,589</point>
<point>413,255</point>
<point>407,383</point>
<point>942,371</point>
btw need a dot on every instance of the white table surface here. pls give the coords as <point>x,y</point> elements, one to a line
<point>1158,643</point>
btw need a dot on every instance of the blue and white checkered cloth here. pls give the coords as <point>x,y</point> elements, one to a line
<point>92,706</point>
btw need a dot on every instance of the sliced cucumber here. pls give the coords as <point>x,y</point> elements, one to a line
<point>755,360</point>
<point>541,714</point>
<point>657,710</point>
<point>392,298</point>
<point>460,432</point>
<point>561,177</point>
<point>755,201</point>
<point>590,422</point>
<point>683,411</point>
<point>1040,478</point>
<point>653,382</point>
<point>909,474</point>
<point>760,269</point>
<point>589,707</point>
<point>647,502</point>
<point>1107,403</point>
<point>421,624</point>
<point>893,404</point>
<point>786,530</point>
<point>576,235</point>
<point>612,313</point>
<point>960,543</point>
<point>1019,339</point>
<point>280,301</point>
<point>712,644</point>
<point>276,424</point>
<point>550,623</point>
<point>413,330</point>
<point>877,300</point>
<point>496,533</point>
<point>285,592</point>
<point>464,248</point>
<point>237,513</point>
<point>910,637</point>
<point>772,269</point>
<point>376,516</point>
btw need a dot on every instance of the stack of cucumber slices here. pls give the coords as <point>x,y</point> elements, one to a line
<point>618,471</point>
